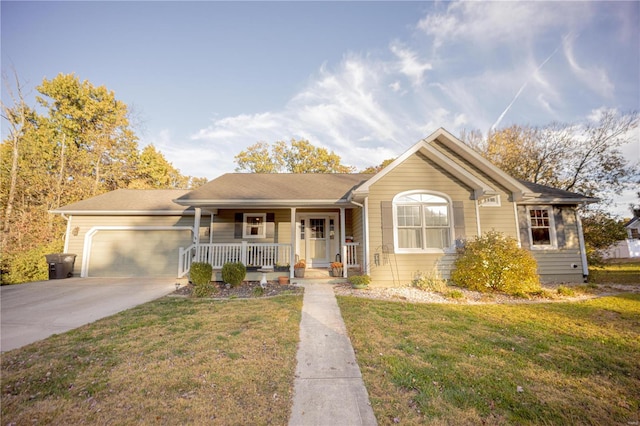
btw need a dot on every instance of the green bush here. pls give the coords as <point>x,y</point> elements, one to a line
<point>200,273</point>
<point>29,265</point>
<point>494,262</point>
<point>233,273</point>
<point>359,281</point>
<point>429,282</point>
<point>205,289</point>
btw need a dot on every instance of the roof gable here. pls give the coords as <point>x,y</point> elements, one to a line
<point>427,148</point>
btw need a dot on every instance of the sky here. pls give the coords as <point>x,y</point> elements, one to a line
<point>367,80</point>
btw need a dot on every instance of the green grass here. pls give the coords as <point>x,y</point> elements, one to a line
<point>552,363</point>
<point>172,361</point>
<point>616,271</point>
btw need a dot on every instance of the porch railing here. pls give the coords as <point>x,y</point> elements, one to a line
<point>251,254</point>
<point>352,255</point>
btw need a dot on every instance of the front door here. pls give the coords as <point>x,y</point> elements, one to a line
<point>317,242</point>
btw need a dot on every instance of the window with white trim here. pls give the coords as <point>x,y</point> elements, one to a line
<point>422,222</point>
<point>541,227</point>
<point>254,225</point>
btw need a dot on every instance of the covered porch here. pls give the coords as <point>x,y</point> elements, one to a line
<point>274,239</point>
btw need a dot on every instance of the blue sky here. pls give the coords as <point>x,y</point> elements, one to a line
<point>364,79</point>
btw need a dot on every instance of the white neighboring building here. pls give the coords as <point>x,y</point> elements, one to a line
<point>631,246</point>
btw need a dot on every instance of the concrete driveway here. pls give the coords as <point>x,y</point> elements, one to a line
<point>34,311</point>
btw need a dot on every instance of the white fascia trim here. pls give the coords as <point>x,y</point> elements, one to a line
<point>258,203</point>
<point>466,152</point>
<point>88,239</point>
<point>479,187</point>
<point>124,212</point>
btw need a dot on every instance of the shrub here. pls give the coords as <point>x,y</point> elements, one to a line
<point>205,289</point>
<point>200,273</point>
<point>455,294</point>
<point>566,291</point>
<point>233,273</point>
<point>429,281</point>
<point>494,262</point>
<point>29,265</point>
<point>359,281</point>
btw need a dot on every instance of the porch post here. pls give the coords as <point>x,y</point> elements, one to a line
<point>196,226</point>
<point>343,242</point>
<point>292,256</point>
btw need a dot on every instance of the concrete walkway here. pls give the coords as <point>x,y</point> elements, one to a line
<point>328,389</point>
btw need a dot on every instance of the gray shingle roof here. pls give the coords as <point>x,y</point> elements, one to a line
<point>274,187</point>
<point>128,201</point>
<point>548,193</point>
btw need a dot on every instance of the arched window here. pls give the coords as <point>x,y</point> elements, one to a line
<point>422,222</point>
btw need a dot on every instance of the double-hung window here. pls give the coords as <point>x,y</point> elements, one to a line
<point>254,225</point>
<point>422,222</point>
<point>542,227</point>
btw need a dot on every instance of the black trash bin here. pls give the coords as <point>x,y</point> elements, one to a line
<point>60,265</point>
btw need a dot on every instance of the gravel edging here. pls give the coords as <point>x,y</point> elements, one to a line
<point>414,295</point>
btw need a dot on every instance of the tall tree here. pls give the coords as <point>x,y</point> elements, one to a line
<point>76,144</point>
<point>581,157</point>
<point>293,157</point>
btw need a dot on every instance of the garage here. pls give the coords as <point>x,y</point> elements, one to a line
<point>144,252</point>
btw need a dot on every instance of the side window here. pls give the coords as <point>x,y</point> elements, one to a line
<point>542,227</point>
<point>422,222</point>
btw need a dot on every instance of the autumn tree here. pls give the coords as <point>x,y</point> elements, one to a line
<point>580,157</point>
<point>375,169</point>
<point>75,144</point>
<point>293,157</point>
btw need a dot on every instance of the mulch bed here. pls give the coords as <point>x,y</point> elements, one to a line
<point>244,291</point>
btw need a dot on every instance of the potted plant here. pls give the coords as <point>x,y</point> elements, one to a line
<point>283,280</point>
<point>336,269</point>
<point>298,268</point>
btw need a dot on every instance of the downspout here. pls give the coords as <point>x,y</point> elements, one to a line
<point>478,228</point>
<point>365,232</point>
<point>583,250</point>
<point>66,235</point>
<point>515,214</point>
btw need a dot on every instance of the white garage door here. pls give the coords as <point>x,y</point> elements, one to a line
<point>136,253</point>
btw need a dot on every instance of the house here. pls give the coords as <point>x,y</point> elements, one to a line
<point>409,217</point>
<point>628,248</point>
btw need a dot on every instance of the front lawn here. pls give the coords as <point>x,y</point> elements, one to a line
<point>543,363</point>
<point>172,361</point>
<point>619,271</point>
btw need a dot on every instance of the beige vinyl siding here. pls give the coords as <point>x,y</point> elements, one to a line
<point>415,173</point>
<point>563,264</point>
<point>80,225</point>
<point>557,266</point>
<point>279,231</point>
<point>500,219</point>
<point>463,163</point>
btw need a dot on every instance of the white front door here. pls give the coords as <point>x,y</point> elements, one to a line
<point>319,239</point>
<point>317,242</point>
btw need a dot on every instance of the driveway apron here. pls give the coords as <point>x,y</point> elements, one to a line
<point>328,388</point>
<point>34,311</point>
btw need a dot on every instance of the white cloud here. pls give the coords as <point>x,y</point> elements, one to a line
<point>410,64</point>
<point>595,77</point>
<point>490,23</point>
